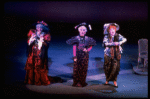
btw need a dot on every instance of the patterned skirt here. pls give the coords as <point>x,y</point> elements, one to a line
<point>36,70</point>
<point>111,68</point>
<point>80,69</point>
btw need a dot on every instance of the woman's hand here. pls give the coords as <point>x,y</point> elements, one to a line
<point>32,37</point>
<point>85,50</point>
<point>112,44</point>
<point>108,44</point>
<point>41,39</point>
<point>116,43</point>
<point>75,58</point>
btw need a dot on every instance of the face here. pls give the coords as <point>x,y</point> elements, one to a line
<point>112,31</point>
<point>82,30</point>
<point>39,27</point>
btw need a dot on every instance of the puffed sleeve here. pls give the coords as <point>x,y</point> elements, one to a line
<point>105,40</point>
<point>72,41</point>
<point>30,33</point>
<point>122,39</point>
<point>29,42</point>
<point>91,41</point>
<point>47,37</point>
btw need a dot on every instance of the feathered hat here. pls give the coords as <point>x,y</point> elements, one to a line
<point>45,25</point>
<point>107,25</point>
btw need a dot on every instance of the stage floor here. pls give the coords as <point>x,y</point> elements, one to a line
<point>60,65</point>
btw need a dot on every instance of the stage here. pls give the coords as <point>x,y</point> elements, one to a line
<point>60,62</point>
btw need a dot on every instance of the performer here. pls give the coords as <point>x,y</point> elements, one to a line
<point>81,46</point>
<point>112,54</point>
<point>37,61</point>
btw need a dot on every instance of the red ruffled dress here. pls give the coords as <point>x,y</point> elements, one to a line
<point>37,61</point>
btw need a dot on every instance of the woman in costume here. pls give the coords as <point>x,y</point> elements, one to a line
<point>37,61</point>
<point>81,46</point>
<point>112,54</point>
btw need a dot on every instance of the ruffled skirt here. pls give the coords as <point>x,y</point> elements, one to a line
<point>36,71</point>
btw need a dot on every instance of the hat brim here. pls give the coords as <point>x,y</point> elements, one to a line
<point>88,26</point>
<point>107,25</point>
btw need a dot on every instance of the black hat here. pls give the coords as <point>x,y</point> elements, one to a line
<point>88,26</point>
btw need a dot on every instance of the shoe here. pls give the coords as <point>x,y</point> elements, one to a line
<point>106,83</point>
<point>115,86</point>
<point>74,84</point>
<point>78,85</point>
<point>85,84</point>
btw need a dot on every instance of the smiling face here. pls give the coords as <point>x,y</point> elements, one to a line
<point>82,30</point>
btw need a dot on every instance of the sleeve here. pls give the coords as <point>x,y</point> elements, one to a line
<point>105,40</point>
<point>29,42</point>
<point>92,42</point>
<point>72,41</point>
<point>122,39</point>
<point>45,46</point>
<point>47,37</point>
<point>30,33</point>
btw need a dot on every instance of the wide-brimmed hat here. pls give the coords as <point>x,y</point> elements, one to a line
<point>88,26</point>
<point>107,25</point>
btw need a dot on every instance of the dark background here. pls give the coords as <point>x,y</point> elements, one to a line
<point>62,16</point>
